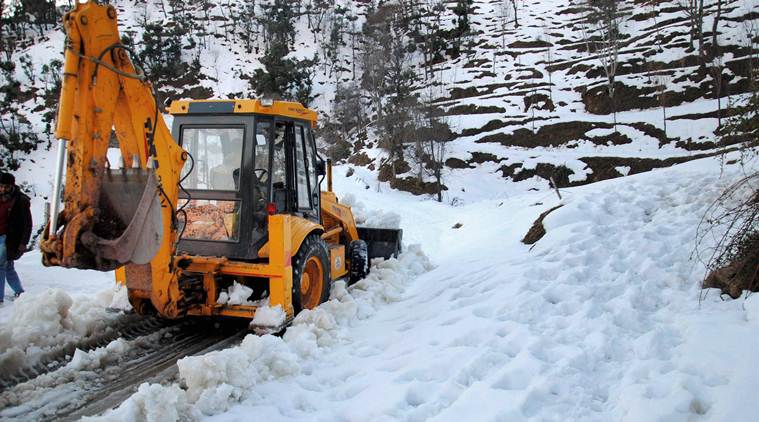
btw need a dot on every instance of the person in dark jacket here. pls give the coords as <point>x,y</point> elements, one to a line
<point>15,230</point>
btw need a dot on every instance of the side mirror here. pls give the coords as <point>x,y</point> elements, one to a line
<point>320,170</point>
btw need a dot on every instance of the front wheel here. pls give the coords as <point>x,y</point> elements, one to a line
<point>310,274</point>
<point>359,264</point>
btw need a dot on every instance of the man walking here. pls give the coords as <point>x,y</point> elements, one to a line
<point>15,230</point>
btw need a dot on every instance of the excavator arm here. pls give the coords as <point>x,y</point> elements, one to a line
<point>112,215</point>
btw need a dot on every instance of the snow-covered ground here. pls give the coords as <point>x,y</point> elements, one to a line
<point>600,320</point>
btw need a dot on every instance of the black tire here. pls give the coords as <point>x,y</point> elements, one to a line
<point>312,253</point>
<point>358,252</point>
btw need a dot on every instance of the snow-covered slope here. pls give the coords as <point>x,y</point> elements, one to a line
<point>529,103</point>
<point>525,103</point>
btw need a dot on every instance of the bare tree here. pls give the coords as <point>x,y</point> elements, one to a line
<point>694,10</point>
<point>431,138</point>
<point>502,14</point>
<point>534,101</point>
<point>515,7</point>
<point>605,18</point>
<point>715,28</point>
<point>716,70</point>
<point>717,63</point>
<point>549,64</point>
<point>430,27</point>
<point>662,82</point>
<point>751,39</point>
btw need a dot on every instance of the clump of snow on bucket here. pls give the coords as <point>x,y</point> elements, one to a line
<point>371,218</point>
<point>237,294</point>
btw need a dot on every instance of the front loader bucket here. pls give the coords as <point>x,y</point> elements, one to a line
<point>382,243</point>
<point>128,228</point>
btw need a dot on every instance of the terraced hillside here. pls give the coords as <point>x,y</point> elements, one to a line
<point>530,103</point>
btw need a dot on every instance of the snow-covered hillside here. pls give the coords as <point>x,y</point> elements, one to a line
<point>529,103</point>
<point>525,103</point>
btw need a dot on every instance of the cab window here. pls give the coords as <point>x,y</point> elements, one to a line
<point>304,191</point>
<point>218,157</point>
<point>215,177</point>
<point>311,163</point>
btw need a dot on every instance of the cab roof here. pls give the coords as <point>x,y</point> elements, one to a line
<point>277,108</point>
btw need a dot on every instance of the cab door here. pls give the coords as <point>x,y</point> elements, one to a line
<point>305,180</point>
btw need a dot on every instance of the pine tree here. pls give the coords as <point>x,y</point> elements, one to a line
<point>283,77</point>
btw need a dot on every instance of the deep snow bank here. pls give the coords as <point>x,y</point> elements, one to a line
<point>52,318</point>
<point>218,379</point>
<point>600,321</point>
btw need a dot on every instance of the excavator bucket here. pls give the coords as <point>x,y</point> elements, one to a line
<point>382,243</point>
<point>128,228</point>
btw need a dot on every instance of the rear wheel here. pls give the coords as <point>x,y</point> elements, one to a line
<point>310,274</point>
<point>358,252</point>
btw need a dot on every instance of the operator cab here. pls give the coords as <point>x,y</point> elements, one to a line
<point>249,160</point>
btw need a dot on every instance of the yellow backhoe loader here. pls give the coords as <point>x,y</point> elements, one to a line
<point>231,196</point>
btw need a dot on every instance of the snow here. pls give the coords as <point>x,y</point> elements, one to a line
<point>602,319</point>
<point>43,319</point>
<point>371,218</point>
<point>99,357</point>
<point>269,316</point>
<point>238,294</point>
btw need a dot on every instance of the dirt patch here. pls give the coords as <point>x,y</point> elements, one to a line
<point>416,187</point>
<point>388,171</point>
<point>579,10</point>
<point>474,109</point>
<point>482,157</point>
<point>548,136</point>
<point>559,174</point>
<point>360,159</point>
<point>476,63</point>
<point>652,131</point>
<point>741,274</point>
<point>456,163</point>
<point>539,101</point>
<point>533,74</point>
<point>726,112</point>
<point>614,138</point>
<point>537,231</point>
<point>604,168</point>
<point>489,126</point>
<point>401,166</point>
<point>472,91</point>
<point>596,99</point>
<point>530,44</point>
